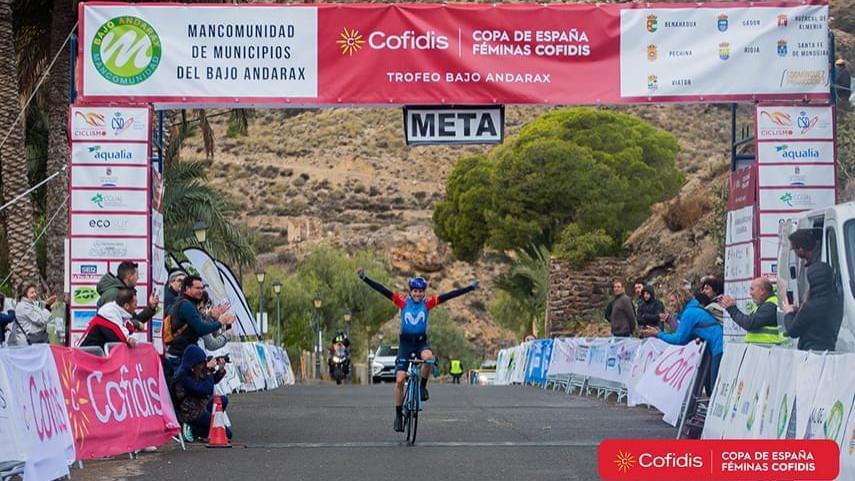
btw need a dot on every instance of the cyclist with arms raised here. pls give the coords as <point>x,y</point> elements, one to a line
<point>413,332</point>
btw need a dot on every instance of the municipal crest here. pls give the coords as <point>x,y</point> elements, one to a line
<point>722,23</point>
<point>652,53</point>
<point>652,82</point>
<point>652,23</point>
<point>724,50</point>
<point>782,48</point>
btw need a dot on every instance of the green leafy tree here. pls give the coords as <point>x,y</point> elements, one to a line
<point>594,168</point>
<point>580,246</point>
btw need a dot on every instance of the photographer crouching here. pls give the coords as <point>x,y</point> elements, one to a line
<point>194,390</point>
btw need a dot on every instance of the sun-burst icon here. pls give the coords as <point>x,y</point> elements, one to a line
<point>625,461</point>
<point>351,41</point>
<point>74,402</point>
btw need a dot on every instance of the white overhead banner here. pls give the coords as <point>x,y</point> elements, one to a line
<point>708,51</point>
<point>216,51</point>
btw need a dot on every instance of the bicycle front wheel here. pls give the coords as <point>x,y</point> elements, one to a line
<point>414,422</point>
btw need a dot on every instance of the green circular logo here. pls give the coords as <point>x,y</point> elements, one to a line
<point>126,50</point>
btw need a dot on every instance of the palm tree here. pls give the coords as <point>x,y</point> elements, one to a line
<point>527,282</point>
<point>62,20</point>
<point>188,198</point>
<point>18,218</point>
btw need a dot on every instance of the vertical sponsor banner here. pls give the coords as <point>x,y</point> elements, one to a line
<point>645,356</point>
<point>39,412</point>
<point>238,357</point>
<point>502,371</point>
<point>159,274</point>
<point>723,392</point>
<point>208,271</point>
<point>743,418</point>
<point>847,448</point>
<point>782,394</point>
<point>832,404</point>
<point>236,296</point>
<point>796,156</point>
<point>105,423</point>
<point>110,212</point>
<point>563,356</point>
<point>254,365</point>
<point>666,384</point>
<point>520,359</point>
<point>619,357</point>
<point>808,373</point>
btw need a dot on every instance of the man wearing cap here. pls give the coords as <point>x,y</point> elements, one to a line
<point>173,288</point>
<point>842,82</point>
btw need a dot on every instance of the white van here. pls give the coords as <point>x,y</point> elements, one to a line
<point>836,226</point>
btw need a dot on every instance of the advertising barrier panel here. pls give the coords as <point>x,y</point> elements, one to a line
<point>116,404</point>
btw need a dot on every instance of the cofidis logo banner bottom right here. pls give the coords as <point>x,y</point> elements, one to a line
<point>718,460</point>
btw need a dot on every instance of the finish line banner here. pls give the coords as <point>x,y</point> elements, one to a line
<point>435,54</point>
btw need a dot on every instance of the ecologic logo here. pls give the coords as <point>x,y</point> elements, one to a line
<point>126,50</point>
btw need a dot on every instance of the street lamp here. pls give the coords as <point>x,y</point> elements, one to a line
<point>277,288</point>
<point>200,230</point>
<point>259,276</point>
<point>317,302</point>
<point>370,356</point>
<point>347,316</point>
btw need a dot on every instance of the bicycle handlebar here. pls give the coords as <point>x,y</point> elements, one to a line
<point>420,361</point>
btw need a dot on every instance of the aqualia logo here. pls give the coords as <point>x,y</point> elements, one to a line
<point>796,154</point>
<point>126,50</point>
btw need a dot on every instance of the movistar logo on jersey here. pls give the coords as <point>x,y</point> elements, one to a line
<point>126,50</point>
<point>414,318</point>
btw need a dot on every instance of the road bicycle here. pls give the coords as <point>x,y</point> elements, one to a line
<point>413,398</point>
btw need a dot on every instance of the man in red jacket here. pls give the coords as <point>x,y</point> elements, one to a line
<point>112,323</point>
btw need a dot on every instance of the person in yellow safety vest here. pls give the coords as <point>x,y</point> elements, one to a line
<point>762,324</point>
<point>456,371</point>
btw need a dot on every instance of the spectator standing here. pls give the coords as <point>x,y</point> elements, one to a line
<point>126,277</point>
<point>638,290</point>
<point>650,309</point>
<point>695,322</point>
<point>623,313</point>
<point>817,322</point>
<point>713,288</point>
<point>456,371</point>
<point>6,319</point>
<point>173,289</point>
<point>842,82</point>
<point>111,322</point>
<point>670,321</point>
<point>762,324</point>
<point>31,319</point>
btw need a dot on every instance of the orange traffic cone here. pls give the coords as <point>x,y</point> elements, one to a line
<point>217,432</point>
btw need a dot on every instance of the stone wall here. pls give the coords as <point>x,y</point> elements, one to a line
<point>580,293</point>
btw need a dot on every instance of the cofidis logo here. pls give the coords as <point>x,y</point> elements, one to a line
<point>351,41</point>
<point>713,460</point>
<point>126,50</point>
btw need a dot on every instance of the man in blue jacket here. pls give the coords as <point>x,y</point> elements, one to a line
<point>695,322</point>
<point>187,323</point>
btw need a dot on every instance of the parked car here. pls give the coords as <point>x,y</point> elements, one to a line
<point>383,367</point>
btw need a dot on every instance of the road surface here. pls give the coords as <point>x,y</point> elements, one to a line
<point>328,432</point>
